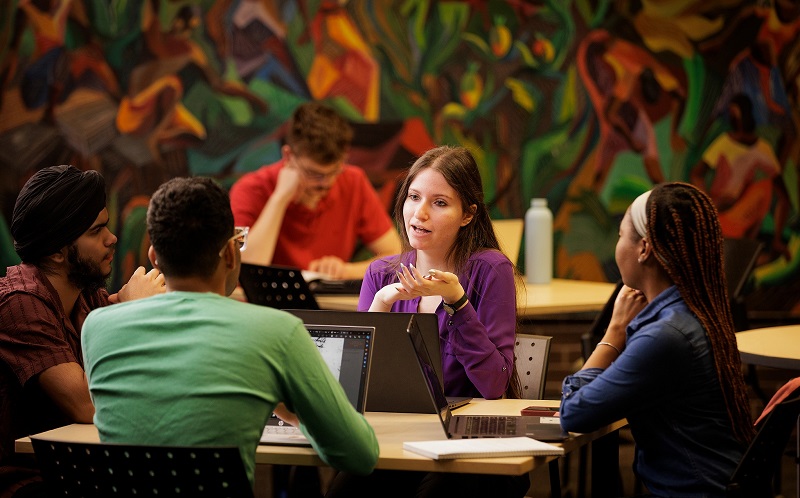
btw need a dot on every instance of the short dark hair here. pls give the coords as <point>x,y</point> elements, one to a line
<point>189,220</point>
<point>319,133</point>
<point>459,169</point>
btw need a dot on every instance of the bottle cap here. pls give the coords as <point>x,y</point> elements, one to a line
<point>539,202</point>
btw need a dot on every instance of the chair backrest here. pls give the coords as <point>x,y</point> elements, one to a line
<point>739,259</point>
<point>590,338</point>
<point>531,358</point>
<point>509,235</point>
<point>106,470</point>
<point>755,473</point>
<point>281,287</point>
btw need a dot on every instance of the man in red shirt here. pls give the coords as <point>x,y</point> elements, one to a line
<point>310,209</point>
<point>60,231</point>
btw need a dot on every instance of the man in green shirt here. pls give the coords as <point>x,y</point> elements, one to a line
<point>193,367</point>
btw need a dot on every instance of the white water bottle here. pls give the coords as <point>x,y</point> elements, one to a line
<point>538,243</point>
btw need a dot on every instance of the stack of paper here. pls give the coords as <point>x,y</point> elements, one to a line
<point>482,448</point>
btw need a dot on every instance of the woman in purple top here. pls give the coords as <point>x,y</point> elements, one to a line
<point>451,265</point>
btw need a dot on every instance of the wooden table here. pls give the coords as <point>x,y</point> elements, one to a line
<point>558,297</point>
<point>777,347</point>
<point>392,429</point>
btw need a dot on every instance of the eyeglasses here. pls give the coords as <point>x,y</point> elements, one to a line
<point>239,236</point>
<point>316,176</point>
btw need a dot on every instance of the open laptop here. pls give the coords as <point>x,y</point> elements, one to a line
<point>395,384</point>
<point>276,286</point>
<point>478,426</point>
<point>347,350</point>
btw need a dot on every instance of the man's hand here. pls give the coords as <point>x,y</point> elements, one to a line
<point>332,266</point>
<point>140,285</point>
<point>290,183</point>
<point>284,414</point>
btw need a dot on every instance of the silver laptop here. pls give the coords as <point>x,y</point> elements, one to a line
<point>479,426</point>
<point>347,350</point>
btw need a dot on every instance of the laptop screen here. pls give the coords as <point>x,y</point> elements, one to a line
<point>346,350</point>
<point>429,373</point>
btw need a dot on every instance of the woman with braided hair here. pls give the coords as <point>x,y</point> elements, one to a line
<point>668,361</point>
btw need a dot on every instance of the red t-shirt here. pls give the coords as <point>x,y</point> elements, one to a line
<point>350,212</point>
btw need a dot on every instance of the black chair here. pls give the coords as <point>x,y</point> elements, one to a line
<point>590,338</point>
<point>755,475</point>
<point>99,470</point>
<point>739,260</point>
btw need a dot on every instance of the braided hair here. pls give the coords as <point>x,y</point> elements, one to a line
<point>684,229</point>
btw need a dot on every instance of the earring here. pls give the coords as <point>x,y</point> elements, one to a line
<point>640,260</point>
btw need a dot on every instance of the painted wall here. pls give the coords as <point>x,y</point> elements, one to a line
<point>587,103</point>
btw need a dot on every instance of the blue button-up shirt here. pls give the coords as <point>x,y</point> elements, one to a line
<point>666,385</point>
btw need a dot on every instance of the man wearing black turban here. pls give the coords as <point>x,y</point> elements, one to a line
<point>60,231</point>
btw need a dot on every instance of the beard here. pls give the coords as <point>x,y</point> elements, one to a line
<point>83,273</point>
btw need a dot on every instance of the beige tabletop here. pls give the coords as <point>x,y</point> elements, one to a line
<point>777,347</point>
<point>557,297</point>
<point>392,429</point>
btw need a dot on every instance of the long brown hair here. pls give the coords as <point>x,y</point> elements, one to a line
<point>683,227</point>
<point>459,169</point>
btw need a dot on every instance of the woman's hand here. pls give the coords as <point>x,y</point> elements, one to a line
<point>446,285</point>
<point>412,284</point>
<point>627,305</point>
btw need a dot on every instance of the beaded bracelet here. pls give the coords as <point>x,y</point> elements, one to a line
<point>604,343</point>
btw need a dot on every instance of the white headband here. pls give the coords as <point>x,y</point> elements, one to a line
<point>639,214</point>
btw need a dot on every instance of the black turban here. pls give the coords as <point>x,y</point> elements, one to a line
<point>55,207</point>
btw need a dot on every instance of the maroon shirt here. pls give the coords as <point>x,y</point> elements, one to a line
<point>35,334</point>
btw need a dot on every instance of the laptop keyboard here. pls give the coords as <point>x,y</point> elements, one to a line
<point>282,429</point>
<point>490,425</point>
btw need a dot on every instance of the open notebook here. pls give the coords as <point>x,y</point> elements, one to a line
<point>479,426</point>
<point>347,350</point>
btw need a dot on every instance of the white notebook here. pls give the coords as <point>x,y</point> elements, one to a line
<point>482,447</point>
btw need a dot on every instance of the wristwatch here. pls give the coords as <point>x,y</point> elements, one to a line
<point>452,308</point>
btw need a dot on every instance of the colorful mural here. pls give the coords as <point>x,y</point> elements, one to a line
<point>584,102</point>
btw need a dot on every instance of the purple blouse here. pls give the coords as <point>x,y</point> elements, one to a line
<point>477,343</point>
